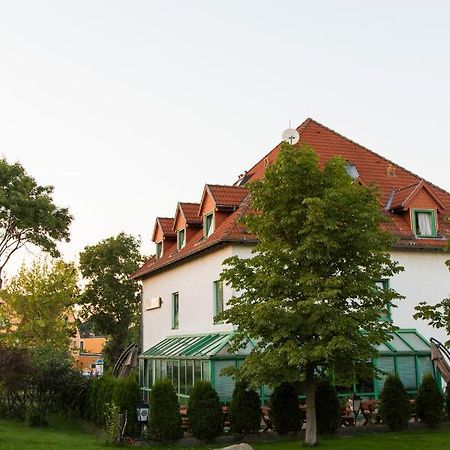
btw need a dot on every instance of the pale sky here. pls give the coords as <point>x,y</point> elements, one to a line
<point>128,107</point>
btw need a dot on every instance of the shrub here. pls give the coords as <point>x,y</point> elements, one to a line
<point>165,421</point>
<point>328,409</point>
<point>284,409</point>
<point>126,395</point>
<point>429,402</point>
<point>112,424</point>
<point>447,400</point>
<point>395,408</point>
<point>205,411</point>
<point>245,414</point>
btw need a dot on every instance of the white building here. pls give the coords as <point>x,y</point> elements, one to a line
<point>181,292</point>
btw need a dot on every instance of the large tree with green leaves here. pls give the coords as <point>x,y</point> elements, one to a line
<point>28,214</point>
<point>307,296</point>
<point>37,305</point>
<point>110,297</point>
<point>437,315</point>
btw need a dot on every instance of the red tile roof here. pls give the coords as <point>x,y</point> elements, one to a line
<point>227,196</point>
<point>395,185</point>
<point>190,212</point>
<point>166,224</point>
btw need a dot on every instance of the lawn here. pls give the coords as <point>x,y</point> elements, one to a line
<point>17,436</point>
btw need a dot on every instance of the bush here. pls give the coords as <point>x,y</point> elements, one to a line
<point>112,424</point>
<point>395,408</point>
<point>165,421</point>
<point>205,411</point>
<point>328,409</point>
<point>429,402</point>
<point>284,409</point>
<point>126,395</point>
<point>447,400</point>
<point>245,414</point>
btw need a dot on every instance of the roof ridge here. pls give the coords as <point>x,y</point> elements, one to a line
<point>225,186</point>
<point>377,154</point>
<point>188,203</point>
<point>408,187</point>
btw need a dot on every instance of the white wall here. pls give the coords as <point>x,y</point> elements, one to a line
<point>425,278</point>
<point>193,281</point>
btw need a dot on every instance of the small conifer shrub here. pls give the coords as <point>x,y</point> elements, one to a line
<point>328,409</point>
<point>447,401</point>
<point>165,421</point>
<point>395,408</point>
<point>429,402</point>
<point>284,409</point>
<point>205,411</point>
<point>245,414</point>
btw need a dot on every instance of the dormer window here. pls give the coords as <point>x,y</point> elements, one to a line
<point>208,224</point>
<point>424,223</point>
<point>181,239</point>
<point>159,249</point>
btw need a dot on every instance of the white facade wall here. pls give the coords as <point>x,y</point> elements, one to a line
<point>425,277</point>
<point>193,280</point>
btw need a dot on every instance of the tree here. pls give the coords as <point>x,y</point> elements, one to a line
<point>204,411</point>
<point>429,402</point>
<point>307,296</point>
<point>395,408</point>
<point>437,315</point>
<point>38,305</point>
<point>245,414</point>
<point>28,214</point>
<point>110,297</point>
<point>328,408</point>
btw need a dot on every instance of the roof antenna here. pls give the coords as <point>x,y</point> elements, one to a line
<point>290,135</point>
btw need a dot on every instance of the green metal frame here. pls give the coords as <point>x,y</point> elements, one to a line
<point>433,222</point>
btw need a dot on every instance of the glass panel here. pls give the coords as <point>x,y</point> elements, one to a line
<point>399,344</point>
<point>224,385</point>
<point>163,369</point>
<point>205,371</point>
<point>181,235</point>
<point>208,225</point>
<point>406,366</point>
<point>218,297</point>
<point>424,225</point>
<point>387,365</point>
<point>425,366</point>
<point>176,376</point>
<point>150,373</point>
<point>189,376</point>
<point>158,249</point>
<point>415,341</point>
<point>182,377</point>
<point>157,369</point>
<point>197,371</point>
<point>170,371</point>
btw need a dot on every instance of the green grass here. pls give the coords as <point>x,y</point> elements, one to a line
<point>18,436</point>
<point>62,436</point>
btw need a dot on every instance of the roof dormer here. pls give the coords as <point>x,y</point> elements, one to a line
<point>163,235</point>
<point>186,222</point>
<point>217,203</point>
<point>419,206</point>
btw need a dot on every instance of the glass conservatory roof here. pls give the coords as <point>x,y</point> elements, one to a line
<point>405,341</point>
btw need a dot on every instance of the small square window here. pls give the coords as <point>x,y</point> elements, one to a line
<point>424,223</point>
<point>159,249</point>
<point>208,224</point>
<point>181,239</point>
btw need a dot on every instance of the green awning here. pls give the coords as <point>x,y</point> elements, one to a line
<point>198,346</point>
<point>405,341</point>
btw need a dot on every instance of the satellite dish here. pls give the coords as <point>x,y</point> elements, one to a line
<point>290,135</point>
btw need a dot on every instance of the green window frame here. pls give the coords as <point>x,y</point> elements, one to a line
<point>385,316</point>
<point>208,224</point>
<point>218,296</point>
<point>415,221</point>
<point>159,249</point>
<point>175,311</point>
<point>181,239</point>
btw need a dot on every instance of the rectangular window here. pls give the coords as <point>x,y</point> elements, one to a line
<point>159,249</point>
<point>218,296</point>
<point>175,310</point>
<point>385,316</point>
<point>208,224</point>
<point>181,241</point>
<point>424,223</point>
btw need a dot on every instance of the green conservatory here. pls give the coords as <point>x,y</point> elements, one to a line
<point>187,359</point>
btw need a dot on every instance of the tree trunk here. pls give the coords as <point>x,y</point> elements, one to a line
<point>311,426</point>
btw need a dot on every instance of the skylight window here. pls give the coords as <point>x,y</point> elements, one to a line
<point>352,171</point>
